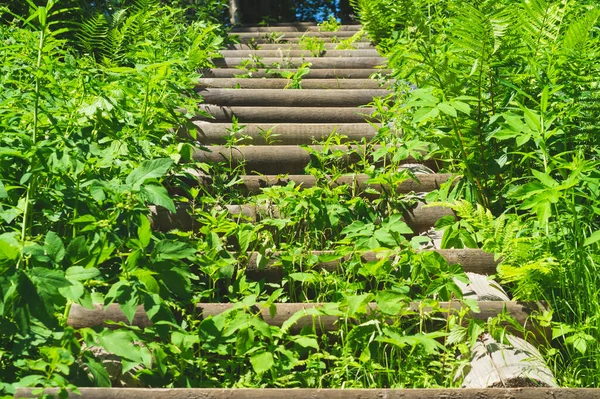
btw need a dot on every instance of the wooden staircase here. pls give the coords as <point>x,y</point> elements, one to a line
<point>334,97</point>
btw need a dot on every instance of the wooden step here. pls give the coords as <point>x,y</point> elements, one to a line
<point>285,114</point>
<point>293,27</point>
<point>471,260</point>
<point>274,83</point>
<point>291,98</point>
<point>341,34</point>
<point>291,62</point>
<point>283,133</point>
<point>281,159</point>
<point>310,393</point>
<point>277,314</point>
<point>339,73</point>
<point>420,219</point>
<point>297,53</point>
<point>252,184</point>
<point>360,45</point>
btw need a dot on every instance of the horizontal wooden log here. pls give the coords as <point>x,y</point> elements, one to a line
<point>506,365</point>
<point>298,53</point>
<point>100,316</point>
<point>316,62</point>
<point>359,45</point>
<point>251,184</point>
<point>280,159</point>
<point>296,393</point>
<point>342,34</point>
<point>291,98</point>
<point>286,114</point>
<point>340,73</point>
<point>283,133</point>
<point>293,27</point>
<point>277,83</point>
<point>419,219</point>
<point>471,260</point>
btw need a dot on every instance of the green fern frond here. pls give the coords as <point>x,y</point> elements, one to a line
<point>93,34</point>
<point>541,22</point>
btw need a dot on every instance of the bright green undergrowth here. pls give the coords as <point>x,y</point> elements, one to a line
<point>92,115</point>
<point>508,91</point>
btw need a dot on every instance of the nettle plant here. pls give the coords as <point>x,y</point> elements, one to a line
<point>83,152</point>
<point>507,91</point>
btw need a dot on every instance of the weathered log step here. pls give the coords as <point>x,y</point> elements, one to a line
<point>294,27</point>
<point>292,98</point>
<point>284,133</point>
<point>279,35</point>
<point>281,159</point>
<point>339,73</point>
<point>359,45</point>
<point>279,39</point>
<point>306,393</point>
<point>285,114</point>
<point>419,219</point>
<point>276,83</point>
<point>471,260</point>
<point>251,184</point>
<point>298,53</point>
<point>324,317</point>
<point>294,62</point>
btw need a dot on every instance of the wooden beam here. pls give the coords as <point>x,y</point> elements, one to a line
<point>295,393</point>
<point>234,12</point>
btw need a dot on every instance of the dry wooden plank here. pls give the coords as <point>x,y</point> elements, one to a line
<point>471,260</point>
<point>286,114</point>
<point>296,393</point>
<point>339,73</point>
<point>282,133</point>
<point>285,159</point>
<point>323,316</point>
<point>292,98</point>
<point>277,83</point>
<point>419,219</point>
<point>292,35</point>
<point>299,53</point>
<point>252,184</point>
<point>292,62</point>
<point>358,45</point>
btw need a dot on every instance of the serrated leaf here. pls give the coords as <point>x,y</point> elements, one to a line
<point>307,342</point>
<point>158,195</point>
<point>79,273</point>
<point>148,170</point>
<point>262,362</point>
<point>54,247</point>
<point>447,109</point>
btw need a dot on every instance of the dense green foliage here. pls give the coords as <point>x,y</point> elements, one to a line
<point>509,92</point>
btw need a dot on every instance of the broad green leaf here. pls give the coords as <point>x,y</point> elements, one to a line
<point>594,238</point>
<point>122,343</point>
<point>306,342</point>
<point>171,250</point>
<point>262,362</point>
<point>461,106</point>
<point>79,273</point>
<point>148,170</point>
<point>3,192</point>
<point>447,109</point>
<point>357,303</point>
<point>302,277</point>
<point>544,178</point>
<point>158,195</point>
<point>144,231</point>
<point>54,247</point>
<point>98,372</point>
<point>9,247</point>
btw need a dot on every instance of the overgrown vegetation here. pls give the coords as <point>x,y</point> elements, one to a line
<point>90,116</point>
<point>508,91</point>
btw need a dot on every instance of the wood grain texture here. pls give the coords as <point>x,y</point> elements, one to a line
<point>294,393</point>
<point>297,62</point>
<point>247,114</point>
<point>291,98</point>
<point>337,73</point>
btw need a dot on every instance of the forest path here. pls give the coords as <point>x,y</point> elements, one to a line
<point>270,115</point>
